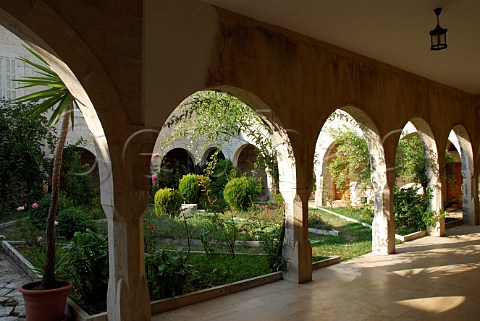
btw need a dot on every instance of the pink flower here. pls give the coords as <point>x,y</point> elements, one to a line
<point>35,205</point>
<point>20,208</point>
<point>154,178</point>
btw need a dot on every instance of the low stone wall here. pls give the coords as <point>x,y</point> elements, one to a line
<point>411,236</point>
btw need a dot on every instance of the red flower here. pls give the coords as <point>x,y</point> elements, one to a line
<point>152,226</point>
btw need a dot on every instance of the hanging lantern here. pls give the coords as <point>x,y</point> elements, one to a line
<point>438,35</point>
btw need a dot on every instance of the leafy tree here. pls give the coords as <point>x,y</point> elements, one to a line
<point>414,161</point>
<point>216,118</point>
<point>23,162</point>
<point>352,161</point>
<point>55,96</point>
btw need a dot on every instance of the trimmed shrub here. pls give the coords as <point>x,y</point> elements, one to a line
<point>241,192</point>
<point>190,188</point>
<point>73,219</point>
<point>168,202</point>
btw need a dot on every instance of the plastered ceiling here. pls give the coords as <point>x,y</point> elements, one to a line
<point>392,31</point>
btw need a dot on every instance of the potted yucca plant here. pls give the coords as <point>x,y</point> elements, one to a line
<point>45,300</point>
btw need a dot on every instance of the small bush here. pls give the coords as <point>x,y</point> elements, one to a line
<point>38,216</point>
<point>271,244</point>
<point>241,192</point>
<point>73,219</point>
<point>168,202</point>
<point>409,208</point>
<point>190,188</point>
<point>88,266</point>
<point>167,273</point>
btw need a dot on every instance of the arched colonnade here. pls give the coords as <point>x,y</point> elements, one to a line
<point>131,63</point>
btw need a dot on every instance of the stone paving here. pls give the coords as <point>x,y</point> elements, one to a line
<point>11,300</point>
<point>428,279</point>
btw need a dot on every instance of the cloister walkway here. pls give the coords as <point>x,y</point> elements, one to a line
<point>428,279</point>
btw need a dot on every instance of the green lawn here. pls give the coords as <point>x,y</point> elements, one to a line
<point>365,216</point>
<point>353,239</point>
<point>359,214</point>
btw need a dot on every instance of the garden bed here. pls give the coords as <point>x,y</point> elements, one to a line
<point>76,313</point>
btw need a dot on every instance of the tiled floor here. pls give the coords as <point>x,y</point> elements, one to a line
<point>428,279</point>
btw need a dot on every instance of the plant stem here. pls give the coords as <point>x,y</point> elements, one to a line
<point>48,279</point>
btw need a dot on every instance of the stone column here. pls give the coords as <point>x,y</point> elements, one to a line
<point>383,226</point>
<point>295,182</point>
<point>128,295</point>
<point>475,206</point>
<point>296,248</point>
<point>469,190</point>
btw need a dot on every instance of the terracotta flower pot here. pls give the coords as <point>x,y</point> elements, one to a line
<point>45,305</point>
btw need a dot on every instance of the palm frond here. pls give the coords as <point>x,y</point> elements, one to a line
<point>56,97</point>
<point>36,96</point>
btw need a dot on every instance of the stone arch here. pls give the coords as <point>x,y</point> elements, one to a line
<point>183,157</point>
<point>296,249</point>
<point>426,135</point>
<point>88,80</point>
<point>237,152</point>
<point>421,128</point>
<point>60,51</point>
<point>207,155</point>
<point>325,152</point>
<point>383,235</point>
<point>244,157</point>
<point>461,140</point>
<point>280,135</point>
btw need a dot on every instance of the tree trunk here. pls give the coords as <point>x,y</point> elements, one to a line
<point>48,279</point>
